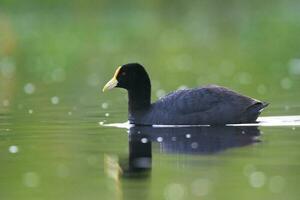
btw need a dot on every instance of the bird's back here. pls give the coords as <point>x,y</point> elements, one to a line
<point>206,105</point>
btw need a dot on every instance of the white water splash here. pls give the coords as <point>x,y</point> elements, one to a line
<point>126,125</point>
<point>293,120</point>
<point>273,121</point>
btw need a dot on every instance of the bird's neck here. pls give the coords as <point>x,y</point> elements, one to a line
<point>139,98</point>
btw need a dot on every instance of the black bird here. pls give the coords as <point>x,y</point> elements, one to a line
<point>212,104</point>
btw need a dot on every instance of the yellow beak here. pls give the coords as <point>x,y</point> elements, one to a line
<point>110,84</point>
<point>113,82</point>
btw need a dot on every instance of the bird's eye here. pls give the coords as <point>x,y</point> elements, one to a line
<point>123,73</point>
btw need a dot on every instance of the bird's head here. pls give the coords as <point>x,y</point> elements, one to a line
<point>129,76</point>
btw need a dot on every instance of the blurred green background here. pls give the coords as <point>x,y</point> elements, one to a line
<point>55,56</point>
<point>248,46</point>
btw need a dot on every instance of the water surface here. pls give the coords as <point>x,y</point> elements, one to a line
<point>55,57</point>
<point>61,151</point>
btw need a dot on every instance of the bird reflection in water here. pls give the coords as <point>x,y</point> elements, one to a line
<point>180,140</point>
<point>197,140</point>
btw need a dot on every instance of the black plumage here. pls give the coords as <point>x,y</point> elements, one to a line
<point>212,104</point>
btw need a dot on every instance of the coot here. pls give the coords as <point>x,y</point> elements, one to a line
<point>209,105</point>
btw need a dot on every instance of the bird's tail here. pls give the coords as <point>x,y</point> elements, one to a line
<point>254,111</point>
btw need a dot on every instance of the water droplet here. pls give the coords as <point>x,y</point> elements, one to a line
<point>93,80</point>
<point>5,103</point>
<point>58,75</point>
<point>101,123</point>
<point>104,105</point>
<point>31,179</point>
<point>245,78</point>
<point>54,100</point>
<point>249,169</point>
<point>294,66</point>
<point>92,160</point>
<point>7,67</point>
<point>188,136</point>
<point>144,140</point>
<point>182,62</point>
<point>29,88</point>
<point>286,107</point>
<point>261,89</point>
<point>62,171</point>
<point>227,68</point>
<point>276,184</point>
<point>257,179</point>
<point>194,145</point>
<point>201,187</point>
<point>159,139</point>
<point>286,83</point>
<point>106,114</point>
<point>13,149</point>
<point>30,111</point>
<point>174,191</point>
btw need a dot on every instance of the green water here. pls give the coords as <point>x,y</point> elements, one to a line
<point>56,56</point>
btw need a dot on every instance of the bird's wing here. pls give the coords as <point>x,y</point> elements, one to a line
<point>203,99</point>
